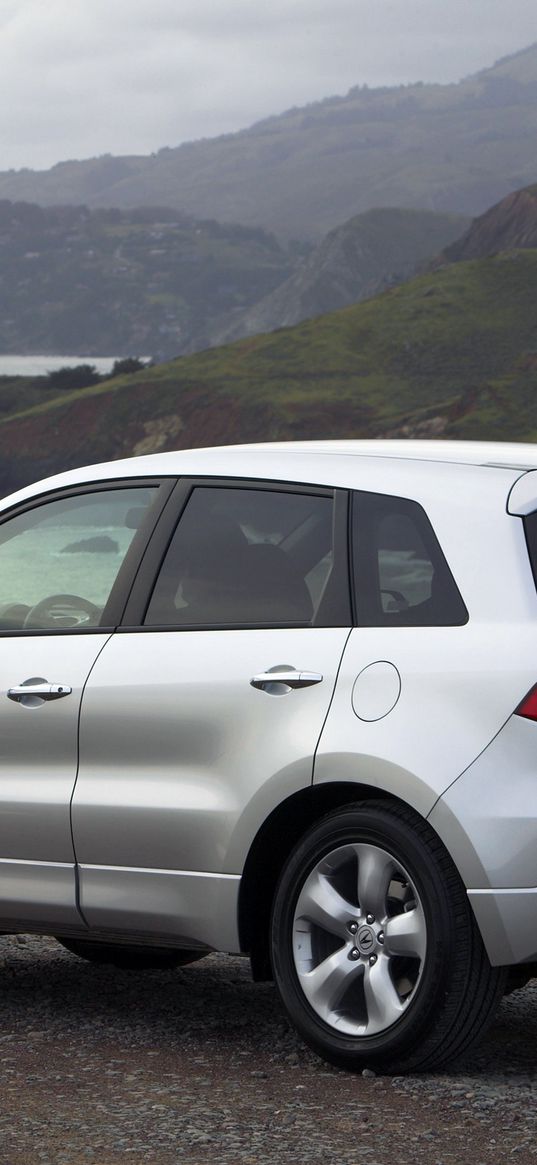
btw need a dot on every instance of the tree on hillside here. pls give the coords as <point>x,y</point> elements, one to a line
<point>126,366</point>
<point>79,376</point>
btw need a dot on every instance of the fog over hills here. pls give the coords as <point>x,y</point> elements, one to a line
<point>455,147</point>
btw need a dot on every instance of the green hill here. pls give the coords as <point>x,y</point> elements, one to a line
<point>452,353</point>
<point>455,147</point>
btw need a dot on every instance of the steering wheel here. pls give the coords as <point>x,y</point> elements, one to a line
<point>62,611</point>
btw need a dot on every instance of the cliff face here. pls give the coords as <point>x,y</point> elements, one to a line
<point>509,225</point>
<point>357,260</point>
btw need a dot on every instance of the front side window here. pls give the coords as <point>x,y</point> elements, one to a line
<point>401,576</point>
<point>60,560</point>
<point>245,556</point>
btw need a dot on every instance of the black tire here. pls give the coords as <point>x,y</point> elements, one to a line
<point>130,958</point>
<point>399,982</point>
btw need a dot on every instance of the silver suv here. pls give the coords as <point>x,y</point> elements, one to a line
<point>281,700</point>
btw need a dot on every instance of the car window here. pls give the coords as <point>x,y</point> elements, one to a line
<point>59,560</point>
<point>245,556</point>
<point>401,576</point>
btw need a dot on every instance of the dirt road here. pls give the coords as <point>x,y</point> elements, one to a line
<point>200,1066</point>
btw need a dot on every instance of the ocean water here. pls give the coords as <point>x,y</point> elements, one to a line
<point>90,574</point>
<point>74,547</point>
<point>40,365</point>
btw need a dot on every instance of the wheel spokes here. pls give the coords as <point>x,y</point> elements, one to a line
<point>326,985</point>
<point>382,1002</point>
<point>321,904</point>
<point>359,939</point>
<point>405,934</point>
<point>375,871</point>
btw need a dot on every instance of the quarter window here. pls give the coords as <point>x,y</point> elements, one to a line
<point>245,556</point>
<point>401,576</point>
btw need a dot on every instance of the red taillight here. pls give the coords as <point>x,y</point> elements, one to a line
<point>528,706</point>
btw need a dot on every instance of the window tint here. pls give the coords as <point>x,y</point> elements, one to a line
<point>401,576</point>
<point>245,556</point>
<point>59,561</point>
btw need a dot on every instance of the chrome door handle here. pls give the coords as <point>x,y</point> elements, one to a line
<point>286,677</point>
<point>35,691</point>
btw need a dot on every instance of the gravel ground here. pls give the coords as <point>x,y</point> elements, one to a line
<point>200,1065</point>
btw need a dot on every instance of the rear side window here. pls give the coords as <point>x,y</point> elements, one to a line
<point>242,557</point>
<point>401,576</point>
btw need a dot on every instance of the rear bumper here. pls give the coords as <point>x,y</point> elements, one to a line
<point>507,920</point>
<point>487,820</point>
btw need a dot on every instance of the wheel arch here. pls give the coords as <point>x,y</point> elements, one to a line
<point>275,839</point>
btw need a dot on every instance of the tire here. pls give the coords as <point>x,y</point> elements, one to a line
<point>130,958</point>
<point>375,950</point>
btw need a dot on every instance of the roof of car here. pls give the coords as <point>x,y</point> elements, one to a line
<point>382,464</point>
<point>511,455</point>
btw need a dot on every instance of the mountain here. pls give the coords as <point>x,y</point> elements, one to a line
<point>450,353</point>
<point>155,282</point>
<point>510,224</point>
<point>355,261</point>
<point>146,281</point>
<point>454,148</point>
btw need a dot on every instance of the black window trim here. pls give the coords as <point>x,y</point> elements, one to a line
<point>529,523</point>
<point>122,585</point>
<point>155,553</point>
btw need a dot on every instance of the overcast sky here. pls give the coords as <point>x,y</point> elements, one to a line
<point>85,77</point>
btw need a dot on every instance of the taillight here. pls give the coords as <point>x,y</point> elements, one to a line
<point>528,706</point>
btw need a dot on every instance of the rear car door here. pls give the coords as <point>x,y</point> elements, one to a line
<point>203,712</point>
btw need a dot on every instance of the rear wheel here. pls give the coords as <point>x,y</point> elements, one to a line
<point>132,958</point>
<point>374,946</point>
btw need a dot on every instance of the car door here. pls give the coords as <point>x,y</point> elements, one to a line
<point>62,560</point>
<point>203,712</point>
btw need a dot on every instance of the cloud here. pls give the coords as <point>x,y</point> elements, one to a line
<point>85,77</point>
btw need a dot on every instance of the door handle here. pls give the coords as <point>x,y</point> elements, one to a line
<point>34,692</point>
<point>286,678</point>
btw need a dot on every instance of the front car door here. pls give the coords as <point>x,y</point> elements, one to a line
<point>64,559</point>
<point>203,712</point>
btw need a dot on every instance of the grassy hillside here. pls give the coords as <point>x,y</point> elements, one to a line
<point>451,353</point>
<point>456,147</point>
